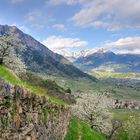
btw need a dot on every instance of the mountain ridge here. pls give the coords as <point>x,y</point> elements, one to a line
<point>40,59</point>
<point>73,56</point>
<point>109,61</point>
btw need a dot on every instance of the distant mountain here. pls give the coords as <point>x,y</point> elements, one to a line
<point>40,59</point>
<point>72,56</point>
<point>109,61</point>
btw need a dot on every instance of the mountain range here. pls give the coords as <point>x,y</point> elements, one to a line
<point>72,56</point>
<point>40,59</point>
<point>108,61</point>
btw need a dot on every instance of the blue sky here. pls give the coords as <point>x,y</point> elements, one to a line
<point>74,25</point>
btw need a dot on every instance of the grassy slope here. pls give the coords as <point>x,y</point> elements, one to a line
<point>48,85</point>
<point>10,77</point>
<point>79,130</point>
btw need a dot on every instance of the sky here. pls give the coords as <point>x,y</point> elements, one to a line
<point>75,25</point>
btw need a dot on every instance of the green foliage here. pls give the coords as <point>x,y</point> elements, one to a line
<point>122,135</point>
<point>7,102</point>
<point>51,84</point>
<point>10,77</point>
<point>131,127</point>
<point>5,121</point>
<point>84,85</point>
<point>80,130</point>
<point>48,85</point>
<point>6,74</point>
<point>45,116</point>
<point>68,90</point>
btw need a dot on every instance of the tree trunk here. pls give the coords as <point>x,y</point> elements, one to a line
<point>1,61</point>
<point>110,136</point>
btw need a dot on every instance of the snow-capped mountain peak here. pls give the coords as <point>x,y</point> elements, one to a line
<point>72,56</point>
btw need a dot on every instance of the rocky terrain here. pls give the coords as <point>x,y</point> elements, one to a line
<point>26,116</point>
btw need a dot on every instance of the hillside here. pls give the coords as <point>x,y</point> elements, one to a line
<point>11,77</point>
<point>25,110</point>
<point>109,61</point>
<point>40,59</point>
<point>49,87</point>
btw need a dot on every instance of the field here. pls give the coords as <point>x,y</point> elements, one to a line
<point>114,90</point>
<point>123,114</point>
<point>116,75</point>
<point>120,88</point>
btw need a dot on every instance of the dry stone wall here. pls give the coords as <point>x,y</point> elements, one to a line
<point>26,116</point>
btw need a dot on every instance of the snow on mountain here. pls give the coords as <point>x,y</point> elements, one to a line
<point>72,56</point>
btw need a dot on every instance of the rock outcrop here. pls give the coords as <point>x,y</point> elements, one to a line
<point>26,116</point>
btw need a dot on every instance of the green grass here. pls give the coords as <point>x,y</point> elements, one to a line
<point>84,85</point>
<point>7,75</point>
<point>10,77</point>
<point>78,130</point>
<point>116,75</point>
<point>124,115</point>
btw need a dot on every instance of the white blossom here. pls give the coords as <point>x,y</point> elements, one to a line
<point>8,55</point>
<point>94,109</point>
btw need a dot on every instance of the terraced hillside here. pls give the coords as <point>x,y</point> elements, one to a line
<point>32,110</point>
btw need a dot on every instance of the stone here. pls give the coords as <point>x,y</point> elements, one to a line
<point>28,138</point>
<point>22,116</point>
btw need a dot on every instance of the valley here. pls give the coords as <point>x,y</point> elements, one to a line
<point>69,70</point>
<point>115,89</point>
<point>122,87</point>
<point>92,98</point>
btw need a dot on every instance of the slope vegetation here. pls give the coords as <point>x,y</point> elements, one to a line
<point>78,130</point>
<point>11,77</point>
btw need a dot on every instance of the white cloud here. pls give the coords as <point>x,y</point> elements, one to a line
<point>37,26</point>
<point>38,19</point>
<point>32,16</point>
<point>16,1</point>
<point>60,27</point>
<point>110,14</point>
<point>57,43</point>
<point>125,45</point>
<point>67,2</point>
